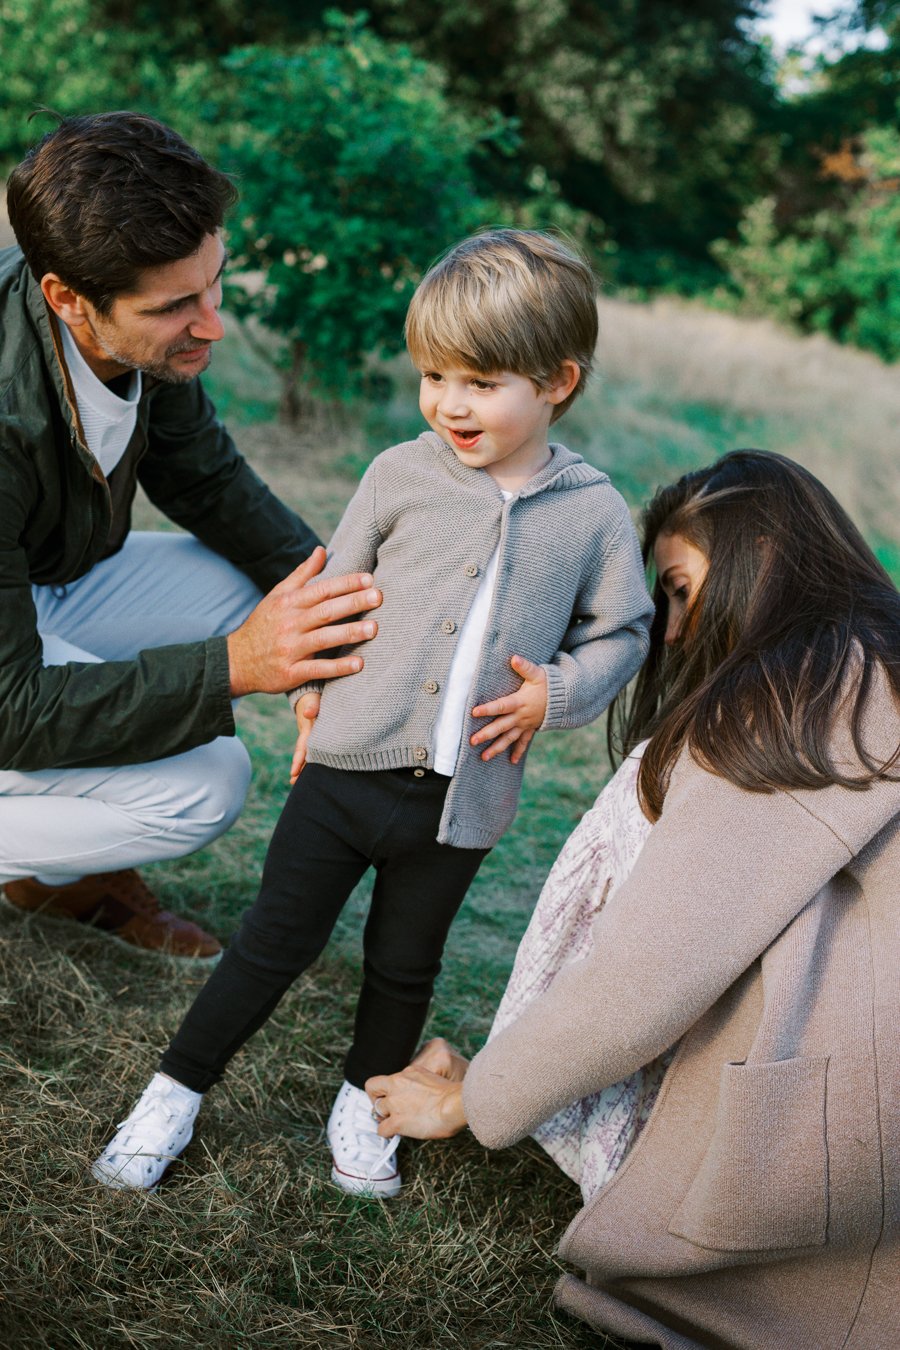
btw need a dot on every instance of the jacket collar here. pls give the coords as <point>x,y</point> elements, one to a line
<point>46,325</point>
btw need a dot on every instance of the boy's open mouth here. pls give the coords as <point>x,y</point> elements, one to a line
<point>465,440</point>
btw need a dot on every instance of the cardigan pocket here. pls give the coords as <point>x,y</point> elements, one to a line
<point>763,1182</point>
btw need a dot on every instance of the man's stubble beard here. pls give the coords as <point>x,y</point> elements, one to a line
<point>158,370</point>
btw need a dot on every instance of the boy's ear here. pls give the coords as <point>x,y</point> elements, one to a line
<point>563,382</point>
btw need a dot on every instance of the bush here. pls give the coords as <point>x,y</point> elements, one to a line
<point>56,54</point>
<point>837,271</point>
<point>354,173</point>
<point>868,270</point>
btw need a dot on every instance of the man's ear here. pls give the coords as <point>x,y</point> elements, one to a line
<point>67,305</point>
<point>563,382</point>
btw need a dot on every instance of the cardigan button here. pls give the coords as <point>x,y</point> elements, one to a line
<point>471,570</point>
<point>448,626</point>
<point>420,752</point>
<point>418,773</point>
<point>431,686</point>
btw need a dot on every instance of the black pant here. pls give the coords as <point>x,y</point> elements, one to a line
<point>335,823</point>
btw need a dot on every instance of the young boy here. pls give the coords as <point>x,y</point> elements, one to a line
<point>512,581</point>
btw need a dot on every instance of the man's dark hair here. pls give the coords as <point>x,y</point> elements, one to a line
<point>101,198</point>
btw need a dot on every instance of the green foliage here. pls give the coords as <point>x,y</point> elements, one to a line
<point>354,172</point>
<point>657,118</point>
<point>55,54</point>
<point>641,273</point>
<point>821,250</point>
<point>784,277</point>
<point>845,94</point>
<point>62,56</point>
<point>838,271</point>
<point>867,272</point>
<point>644,130</point>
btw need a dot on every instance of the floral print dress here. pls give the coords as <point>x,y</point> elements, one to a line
<point>590,1138</point>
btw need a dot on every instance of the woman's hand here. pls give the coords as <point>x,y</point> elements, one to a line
<point>440,1057</point>
<point>417,1103</point>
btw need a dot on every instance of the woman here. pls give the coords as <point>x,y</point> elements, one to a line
<point>758,930</point>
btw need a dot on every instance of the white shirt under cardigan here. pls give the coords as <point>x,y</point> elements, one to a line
<point>458,689</point>
<point>107,419</point>
<point>570,595</point>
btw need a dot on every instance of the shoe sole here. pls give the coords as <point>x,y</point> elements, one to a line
<point>158,952</point>
<point>388,1189</point>
<point>112,1183</point>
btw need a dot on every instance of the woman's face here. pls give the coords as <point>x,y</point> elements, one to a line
<point>681,568</point>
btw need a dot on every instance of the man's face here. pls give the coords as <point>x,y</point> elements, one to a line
<point>166,326</point>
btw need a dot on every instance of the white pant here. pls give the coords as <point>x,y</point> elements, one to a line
<point>61,824</point>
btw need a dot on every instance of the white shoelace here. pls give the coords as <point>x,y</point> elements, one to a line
<point>156,1131</point>
<point>372,1152</point>
<point>153,1117</point>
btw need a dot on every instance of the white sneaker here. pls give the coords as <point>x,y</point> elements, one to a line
<point>364,1162</point>
<point>158,1129</point>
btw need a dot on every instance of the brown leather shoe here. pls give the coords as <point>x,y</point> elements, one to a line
<point>119,903</point>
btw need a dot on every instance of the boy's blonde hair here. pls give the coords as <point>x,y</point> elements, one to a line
<point>516,300</point>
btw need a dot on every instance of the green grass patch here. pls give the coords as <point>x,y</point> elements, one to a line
<point>887,551</point>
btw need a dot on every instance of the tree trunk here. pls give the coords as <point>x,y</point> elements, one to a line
<point>293,397</point>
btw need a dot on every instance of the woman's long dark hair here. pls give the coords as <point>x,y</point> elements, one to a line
<point>794,611</point>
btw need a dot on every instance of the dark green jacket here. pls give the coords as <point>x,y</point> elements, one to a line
<point>59,516</point>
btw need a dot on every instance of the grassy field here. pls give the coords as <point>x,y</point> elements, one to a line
<point>248,1244</point>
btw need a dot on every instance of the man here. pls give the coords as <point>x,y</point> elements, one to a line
<point>120,652</point>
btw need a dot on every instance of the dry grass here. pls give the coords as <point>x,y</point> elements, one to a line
<point>248,1244</point>
<point>835,409</point>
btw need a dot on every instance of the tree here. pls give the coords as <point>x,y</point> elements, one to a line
<point>823,249</point>
<point>55,54</point>
<point>214,27</point>
<point>657,121</point>
<point>355,172</point>
<point>660,117</point>
<point>837,270</point>
<point>849,90</point>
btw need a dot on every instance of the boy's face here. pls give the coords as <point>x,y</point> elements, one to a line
<point>497,422</point>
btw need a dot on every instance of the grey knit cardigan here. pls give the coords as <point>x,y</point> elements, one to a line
<point>570,595</point>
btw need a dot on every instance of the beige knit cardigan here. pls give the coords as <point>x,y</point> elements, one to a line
<point>760,1207</point>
